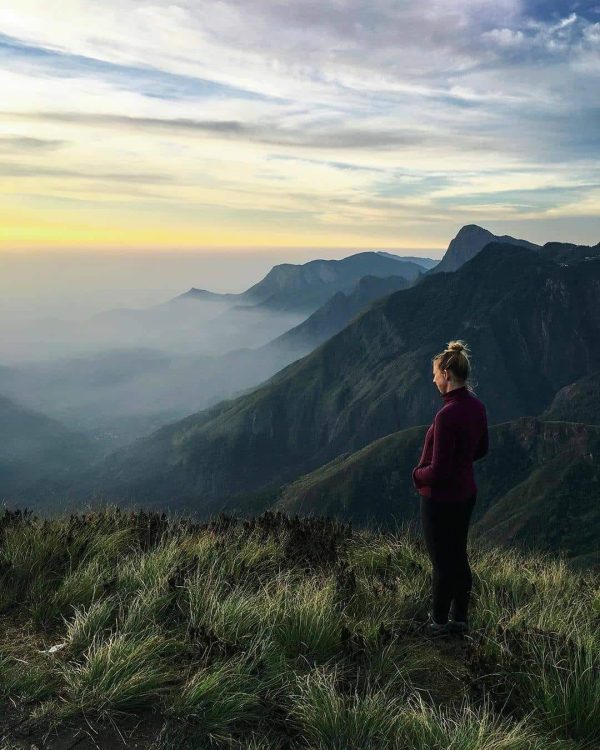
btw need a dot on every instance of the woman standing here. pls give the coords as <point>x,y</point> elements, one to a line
<point>444,479</point>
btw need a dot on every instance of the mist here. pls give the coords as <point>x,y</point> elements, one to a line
<point>51,303</point>
<point>102,343</point>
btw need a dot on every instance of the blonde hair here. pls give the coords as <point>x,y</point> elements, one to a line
<point>456,359</point>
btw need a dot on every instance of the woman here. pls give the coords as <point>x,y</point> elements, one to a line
<point>444,479</point>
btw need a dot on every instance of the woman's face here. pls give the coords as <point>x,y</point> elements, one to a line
<point>440,378</point>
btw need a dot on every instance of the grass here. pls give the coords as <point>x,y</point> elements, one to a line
<point>277,632</point>
<point>220,697</point>
<point>123,672</point>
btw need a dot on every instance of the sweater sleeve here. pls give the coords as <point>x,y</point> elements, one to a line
<point>416,482</point>
<point>444,440</point>
<point>482,447</point>
<point>483,444</point>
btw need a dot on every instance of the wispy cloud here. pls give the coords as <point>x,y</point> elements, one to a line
<point>28,144</point>
<point>330,136</point>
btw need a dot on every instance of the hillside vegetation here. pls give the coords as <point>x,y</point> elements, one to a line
<point>281,632</point>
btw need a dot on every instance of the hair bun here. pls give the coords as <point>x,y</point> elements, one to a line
<point>457,346</point>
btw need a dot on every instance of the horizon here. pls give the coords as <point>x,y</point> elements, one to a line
<point>71,284</point>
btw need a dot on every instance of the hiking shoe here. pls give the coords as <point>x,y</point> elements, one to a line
<point>435,628</point>
<point>457,626</point>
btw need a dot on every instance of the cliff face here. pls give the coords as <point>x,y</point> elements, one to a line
<point>533,327</point>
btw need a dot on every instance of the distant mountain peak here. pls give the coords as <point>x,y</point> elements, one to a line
<point>305,287</point>
<point>470,230</point>
<point>201,294</point>
<point>470,240</point>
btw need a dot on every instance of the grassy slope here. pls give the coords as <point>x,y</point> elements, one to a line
<point>279,632</point>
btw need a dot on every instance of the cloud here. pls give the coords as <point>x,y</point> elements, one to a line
<point>28,144</point>
<point>263,105</point>
<point>32,170</point>
<point>338,137</point>
<point>565,38</point>
<point>44,62</point>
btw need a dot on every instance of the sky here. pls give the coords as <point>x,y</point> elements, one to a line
<point>128,125</point>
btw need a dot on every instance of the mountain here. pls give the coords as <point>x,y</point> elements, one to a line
<point>469,241</point>
<point>199,321</point>
<point>306,287</point>
<point>537,486</point>
<point>426,263</point>
<point>552,500</point>
<point>566,252</point>
<point>293,287</point>
<point>335,314</point>
<point>33,448</point>
<point>533,327</point>
<point>202,295</point>
<point>316,279</point>
<point>577,402</point>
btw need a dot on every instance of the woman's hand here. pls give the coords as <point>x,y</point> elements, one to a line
<point>417,483</point>
<point>444,443</point>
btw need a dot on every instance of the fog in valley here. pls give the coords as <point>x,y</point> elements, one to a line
<point>45,297</point>
<point>114,346</point>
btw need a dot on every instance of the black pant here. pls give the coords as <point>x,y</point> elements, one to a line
<point>445,527</point>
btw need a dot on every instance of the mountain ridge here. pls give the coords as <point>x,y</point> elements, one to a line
<point>373,377</point>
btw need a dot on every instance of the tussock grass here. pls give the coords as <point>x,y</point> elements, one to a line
<point>26,681</point>
<point>306,617</point>
<point>299,633</point>
<point>425,727</point>
<point>330,719</point>
<point>561,679</point>
<point>120,673</point>
<point>232,613</point>
<point>221,697</point>
<point>90,623</point>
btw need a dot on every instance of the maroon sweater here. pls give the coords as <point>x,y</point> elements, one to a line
<point>457,437</point>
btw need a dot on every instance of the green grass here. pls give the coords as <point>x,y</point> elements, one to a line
<point>122,672</point>
<point>221,696</point>
<point>296,633</point>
